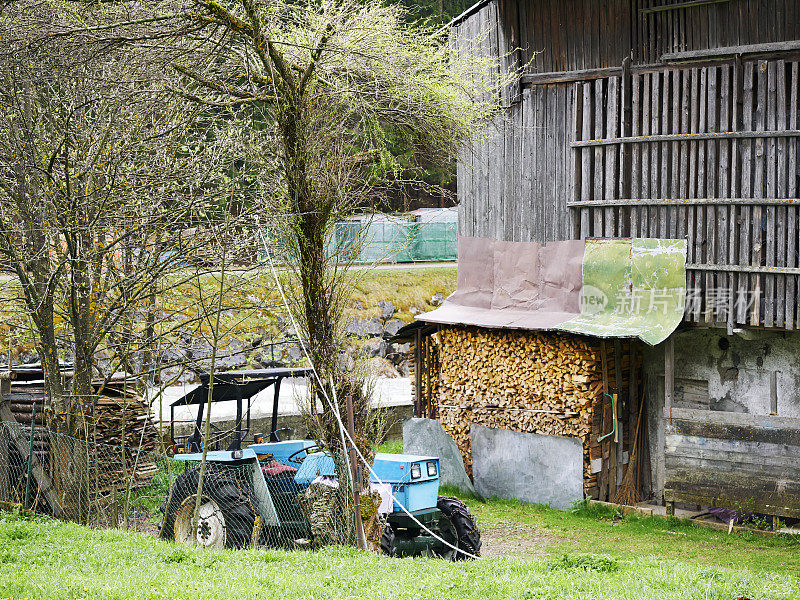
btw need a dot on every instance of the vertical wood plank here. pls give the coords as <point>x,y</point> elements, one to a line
<point>669,375</point>
<point>792,300</point>
<point>599,163</point>
<point>746,146</point>
<point>684,228</point>
<point>675,175</point>
<point>526,193</point>
<point>757,250</point>
<point>624,170</point>
<point>771,188</point>
<point>664,148</point>
<point>586,158</point>
<point>644,229</point>
<point>713,308</point>
<point>611,154</point>
<point>781,213</point>
<point>692,229</point>
<point>566,184</point>
<point>636,152</point>
<point>725,240</point>
<point>577,111</point>
<point>655,150</point>
<point>701,241</point>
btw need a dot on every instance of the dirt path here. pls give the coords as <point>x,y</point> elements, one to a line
<point>513,539</point>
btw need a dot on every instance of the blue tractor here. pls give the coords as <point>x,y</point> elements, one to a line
<point>252,494</point>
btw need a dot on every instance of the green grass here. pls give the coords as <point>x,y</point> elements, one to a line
<point>43,559</point>
<point>392,447</point>
<point>410,290</point>
<point>589,528</point>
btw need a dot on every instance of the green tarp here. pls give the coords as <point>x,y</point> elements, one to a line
<point>631,288</point>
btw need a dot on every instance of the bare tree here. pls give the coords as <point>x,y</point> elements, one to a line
<point>100,172</point>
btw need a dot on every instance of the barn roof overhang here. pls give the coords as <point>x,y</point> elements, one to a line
<point>602,287</point>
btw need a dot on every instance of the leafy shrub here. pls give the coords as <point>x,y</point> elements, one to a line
<point>585,562</point>
<point>594,510</point>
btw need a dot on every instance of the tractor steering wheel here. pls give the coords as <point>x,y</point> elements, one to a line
<point>291,457</point>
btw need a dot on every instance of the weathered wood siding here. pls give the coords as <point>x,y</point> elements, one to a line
<point>707,151</point>
<point>733,460</point>
<point>665,27</point>
<point>569,35</point>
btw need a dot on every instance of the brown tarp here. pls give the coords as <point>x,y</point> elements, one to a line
<point>515,285</point>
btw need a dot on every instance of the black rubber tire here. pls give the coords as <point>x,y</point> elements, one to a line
<point>466,529</point>
<point>237,509</point>
<point>387,541</point>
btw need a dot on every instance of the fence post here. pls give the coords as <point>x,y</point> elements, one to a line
<point>30,457</point>
<point>5,461</point>
<point>354,470</point>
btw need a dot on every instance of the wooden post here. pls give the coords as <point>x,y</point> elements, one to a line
<point>619,437</point>
<point>669,375</point>
<point>613,458</point>
<point>418,374</point>
<point>355,474</point>
<point>633,397</point>
<point>5,462</point>
<point>30,458</point>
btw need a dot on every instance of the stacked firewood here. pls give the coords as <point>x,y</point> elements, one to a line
<point>121,412</point>
<point>123,431</point>
<point>535,382</point>
<point>429,375</point>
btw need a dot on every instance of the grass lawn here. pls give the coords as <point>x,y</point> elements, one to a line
<point>585,557</point>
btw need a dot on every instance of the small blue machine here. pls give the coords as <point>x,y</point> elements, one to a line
<point>250,494</point>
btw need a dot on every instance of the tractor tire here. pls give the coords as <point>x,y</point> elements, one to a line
<point>456,526</point>
<point>464,529</point>
<point>387,541</point>
<point>227,513</point>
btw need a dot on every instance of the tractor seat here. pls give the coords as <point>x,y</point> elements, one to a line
<point>274,468</point>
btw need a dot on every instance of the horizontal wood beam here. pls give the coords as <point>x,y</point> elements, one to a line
<point>731,51</point>
<point>612,202</point>
<point>743,269</point>
<point>735,498</point>
<point>720,417</point>
<point>688,137</point>
<point>569,76</point>
<point>679,5</point>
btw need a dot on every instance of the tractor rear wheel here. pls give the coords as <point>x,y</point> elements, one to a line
<point>226,517</point>
<point>458,527</point>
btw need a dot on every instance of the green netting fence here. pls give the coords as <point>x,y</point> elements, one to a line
<point>395,240</point>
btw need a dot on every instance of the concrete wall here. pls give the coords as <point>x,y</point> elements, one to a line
<point>718,372</point>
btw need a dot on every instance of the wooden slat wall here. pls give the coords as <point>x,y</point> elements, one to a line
<point>521,181</point>
<point>569,35</point>
<point>514,179</point>
<point>733,460</point>
<point>735,198</point>
<point>713,25</point>
<point>559,35</point>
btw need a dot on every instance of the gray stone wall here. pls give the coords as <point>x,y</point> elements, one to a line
<point>715,371</point>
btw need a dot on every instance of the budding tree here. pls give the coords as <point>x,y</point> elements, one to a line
<point>319,91</point>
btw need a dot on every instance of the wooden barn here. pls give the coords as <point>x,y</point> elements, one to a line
<point>665,119</point>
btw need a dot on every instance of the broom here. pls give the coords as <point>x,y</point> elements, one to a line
<point>628,491</point>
